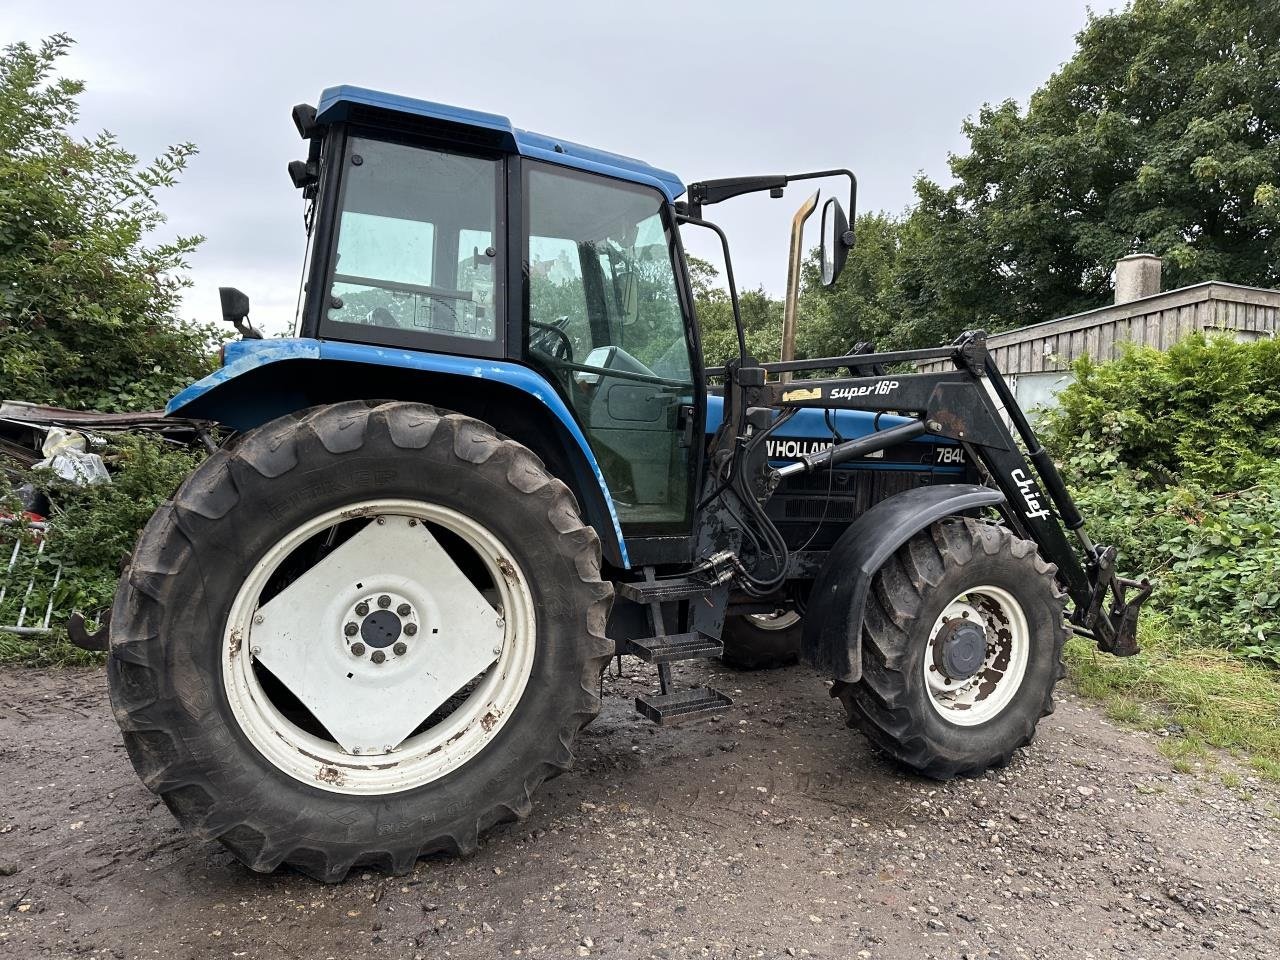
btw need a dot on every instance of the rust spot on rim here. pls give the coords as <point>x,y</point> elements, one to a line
<point>334,764</point>
<point>490,720</point>
<point>236,641</point>
<point>331,775</point>
<point>508,570</point>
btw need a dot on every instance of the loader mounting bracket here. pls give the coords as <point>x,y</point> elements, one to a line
<point>1116,630</point>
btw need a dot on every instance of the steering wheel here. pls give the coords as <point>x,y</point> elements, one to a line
<point>563,348</point>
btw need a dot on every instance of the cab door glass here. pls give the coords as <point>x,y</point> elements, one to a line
<point>605,321</point>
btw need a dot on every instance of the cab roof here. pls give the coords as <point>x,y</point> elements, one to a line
<point>347,102</point>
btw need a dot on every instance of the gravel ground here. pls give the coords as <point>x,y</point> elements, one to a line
<point>770,832</point>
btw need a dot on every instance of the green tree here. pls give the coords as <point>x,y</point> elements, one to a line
<point>865,303</point>
<point>1161,134</point>
<point>761,318</point>
<point>87,309</point>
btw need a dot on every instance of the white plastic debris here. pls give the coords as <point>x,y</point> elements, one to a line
<point>66,454</point>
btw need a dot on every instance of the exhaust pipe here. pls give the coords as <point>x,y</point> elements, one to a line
<point>792,304</point>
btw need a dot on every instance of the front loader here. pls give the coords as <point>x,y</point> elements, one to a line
<point>493,457</point>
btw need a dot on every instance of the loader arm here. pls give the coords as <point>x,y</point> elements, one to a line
<point>958,405</point>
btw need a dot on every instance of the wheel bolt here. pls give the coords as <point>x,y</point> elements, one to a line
<point>410,629</point>
<point>404,609</point>
<point>357,649</point>
<point>362,609</point>
<point>399,649</point>
<point>378,656</point>
<point>351,629</point>
<point>384,601</point>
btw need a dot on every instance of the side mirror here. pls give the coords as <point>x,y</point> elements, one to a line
<point>837,238</point>
<point>235,310</point>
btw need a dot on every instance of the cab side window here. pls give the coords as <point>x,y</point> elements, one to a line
<point>415,260</point>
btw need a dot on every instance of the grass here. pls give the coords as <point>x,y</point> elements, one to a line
<point>1207,697</point>
<point>54,650</point>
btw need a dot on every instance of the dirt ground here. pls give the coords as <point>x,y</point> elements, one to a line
<point>773,831</point>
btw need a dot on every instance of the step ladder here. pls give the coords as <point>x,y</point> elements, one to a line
<point>663,649</point>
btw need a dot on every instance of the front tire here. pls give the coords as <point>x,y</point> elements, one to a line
<point>762,641</point>
<point>961,648</point>
<point>307,590</point>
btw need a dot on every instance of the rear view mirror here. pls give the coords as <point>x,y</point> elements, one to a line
<point>235,305</point>
<point>837,238</point>
<point>235,310</point>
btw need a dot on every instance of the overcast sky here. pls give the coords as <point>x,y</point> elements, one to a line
<point>705,90</point>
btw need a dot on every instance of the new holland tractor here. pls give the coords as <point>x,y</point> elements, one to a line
<point>494,457</point>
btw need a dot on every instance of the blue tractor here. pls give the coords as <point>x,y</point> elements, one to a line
<point>494,457</point>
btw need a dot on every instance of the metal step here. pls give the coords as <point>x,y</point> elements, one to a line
<point>682,705</point>
<point>679,646</point>
<point>662,591</point>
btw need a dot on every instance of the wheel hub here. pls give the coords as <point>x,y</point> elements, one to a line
<point>977,656</point>
<point>381,627</point>
<point>960,649</point>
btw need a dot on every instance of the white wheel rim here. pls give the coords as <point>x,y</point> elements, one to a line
<point>985,695</point>
<point>775,621</point>
<point>374,708</point>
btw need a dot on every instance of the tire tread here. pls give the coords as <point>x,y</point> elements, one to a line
<point>136,669</point>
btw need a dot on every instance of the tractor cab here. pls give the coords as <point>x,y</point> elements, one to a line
<point>450,231</point>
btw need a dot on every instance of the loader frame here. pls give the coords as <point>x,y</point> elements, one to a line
<point>969,405</point>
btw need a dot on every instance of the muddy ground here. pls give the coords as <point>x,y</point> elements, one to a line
<point>772,832</point>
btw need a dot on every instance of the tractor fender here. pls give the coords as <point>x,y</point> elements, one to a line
<point>261,380</point>
<point>832,638</point>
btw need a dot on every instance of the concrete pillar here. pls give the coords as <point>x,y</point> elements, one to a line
<point>1137,276</point>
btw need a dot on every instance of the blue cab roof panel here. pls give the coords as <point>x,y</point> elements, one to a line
<point>336,103</point>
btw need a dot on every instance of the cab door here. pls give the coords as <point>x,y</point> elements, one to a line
<point>606,321</point>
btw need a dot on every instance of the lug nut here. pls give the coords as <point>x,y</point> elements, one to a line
<point>384,601</point>
<point>351,629</point>
<point>410,629</point>
<point>404,609</point>
<point>378,656</point>
<point>357,649</point>
<point>362,609</point>
<point>399,649</point>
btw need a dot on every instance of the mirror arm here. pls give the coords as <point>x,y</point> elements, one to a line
<point>728,275</point>
<point>715,191</point>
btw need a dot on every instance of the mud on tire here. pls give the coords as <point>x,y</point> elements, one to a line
<point>891,703</point>
<point>171,611</point>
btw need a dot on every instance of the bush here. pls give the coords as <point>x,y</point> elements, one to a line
<point>1205,410</point>
<point>91,531</point>
<point>1172,457</point>
<point>87,309</point>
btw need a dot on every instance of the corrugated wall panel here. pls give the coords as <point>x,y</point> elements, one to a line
<point>1170,318</point>
<point>1107,342</point>
<point>1151,330</point>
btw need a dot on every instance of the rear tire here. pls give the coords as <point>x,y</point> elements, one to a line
<point>174,651</point>
<point>758,642</point>
<point>964,571</point>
